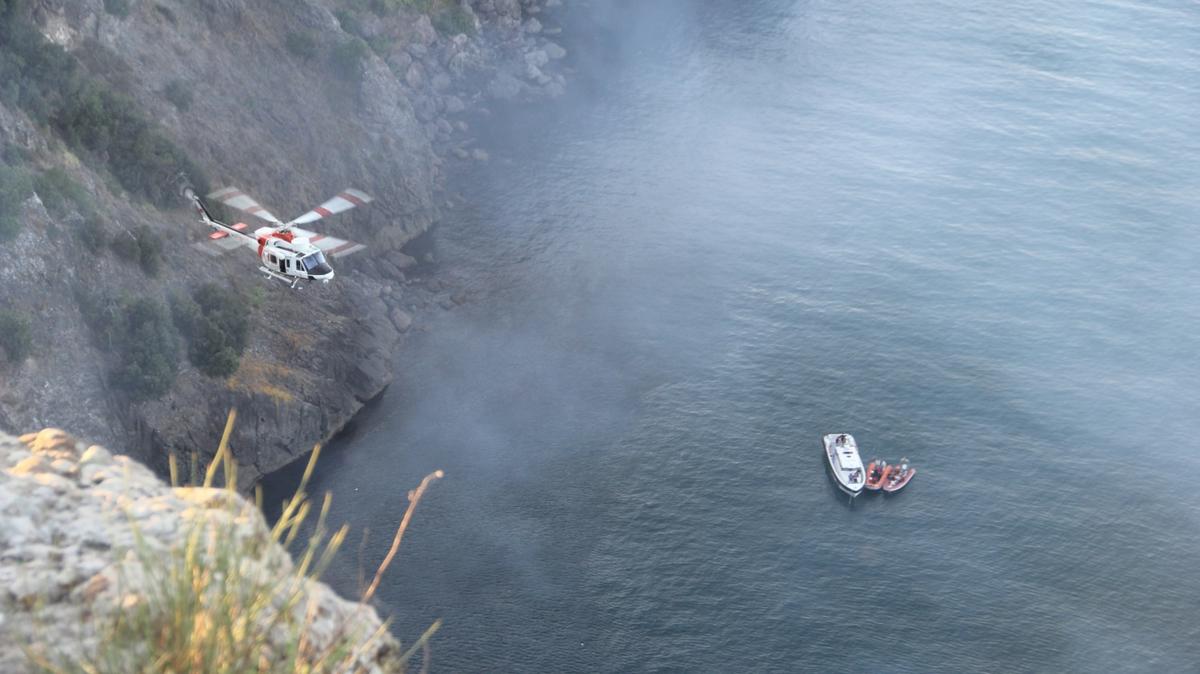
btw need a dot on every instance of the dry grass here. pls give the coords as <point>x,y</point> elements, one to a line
<point>264,378</point>
<point>204,608</point>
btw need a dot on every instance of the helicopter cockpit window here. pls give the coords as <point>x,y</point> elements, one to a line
<point>313,261</point>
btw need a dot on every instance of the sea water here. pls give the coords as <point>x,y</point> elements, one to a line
<point>965,232</point>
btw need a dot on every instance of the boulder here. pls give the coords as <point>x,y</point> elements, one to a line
<point>401,319</point>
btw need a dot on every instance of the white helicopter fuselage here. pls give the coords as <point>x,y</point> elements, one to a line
<point>291,258</point>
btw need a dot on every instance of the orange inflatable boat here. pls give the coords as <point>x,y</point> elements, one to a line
<point>897,476</point>
<point>877,474</point>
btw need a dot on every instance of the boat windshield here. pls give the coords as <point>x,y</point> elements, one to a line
<point>313,261</point>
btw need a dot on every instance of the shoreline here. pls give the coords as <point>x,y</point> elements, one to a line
<point>416,293</point>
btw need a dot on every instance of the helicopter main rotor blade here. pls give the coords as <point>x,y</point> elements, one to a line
<point>344,201</point>
<point>236,198</point>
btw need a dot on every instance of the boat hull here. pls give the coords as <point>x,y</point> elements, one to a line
<point>876,484</point>
<point>891,488</point>
<point>844,464</point>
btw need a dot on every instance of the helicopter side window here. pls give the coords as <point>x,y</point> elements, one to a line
<point>272,258</point>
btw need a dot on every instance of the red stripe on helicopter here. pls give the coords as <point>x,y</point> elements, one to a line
<point>352,199</point>
<point>316,238</point>
<point>218,235</point>
<point>322,211</point>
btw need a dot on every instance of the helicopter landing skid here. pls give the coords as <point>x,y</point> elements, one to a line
<point>291,281</point>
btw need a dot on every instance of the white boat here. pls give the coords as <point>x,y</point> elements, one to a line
<point>842,453</point>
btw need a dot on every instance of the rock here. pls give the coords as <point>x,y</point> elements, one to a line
<point>402,261</point>
<point>454,105</point>
<point>532,26</point>
<point>440,82</point>
<point>554,51</point>
<point>479,154</point>
<point>70,555</point>
<point>399,61</point>
<point>401,320</point>
<point>461,153</point>
<point>504,86</point>
<point>537,58</point>
<point>425,33</point>
<point>96,455</point>
<point>414,77</point>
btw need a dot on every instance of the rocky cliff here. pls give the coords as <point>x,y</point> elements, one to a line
<point>88,536</point>
<point>292,101</point>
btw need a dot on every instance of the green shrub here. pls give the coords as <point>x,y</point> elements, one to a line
<point>148,353</point>
<point>137,332</point>
<point>15,154</point>
<point>452,19</point>
<point>51,87</point>
<point>142,246</point>
<point>347,59</point>
<point>15,187</point>
<point>216,322</point>
<point>15,339</point>
<point>58,191</point>
<point>349,22</point>
<point>302,45</point>
<point>90,232</point>
<point>117,7</point>
<point>179,94</point>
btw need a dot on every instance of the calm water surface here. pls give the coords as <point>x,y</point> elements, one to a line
<point>965,232</point>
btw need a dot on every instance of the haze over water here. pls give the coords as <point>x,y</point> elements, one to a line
<point>964,232</point>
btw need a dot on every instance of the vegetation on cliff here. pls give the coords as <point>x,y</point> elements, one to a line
<point>15,187</point>
<point>215,321</point>
<point>15,340</point>
<point>138,334</point>
<point>51,86</point>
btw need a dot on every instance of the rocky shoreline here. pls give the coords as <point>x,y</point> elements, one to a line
<point>316,357</point>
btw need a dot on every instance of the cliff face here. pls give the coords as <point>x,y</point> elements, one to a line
<point>86,535</point>
<point>271,103</point>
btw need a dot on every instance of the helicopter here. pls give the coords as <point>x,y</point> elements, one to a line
<point>287,252</point>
